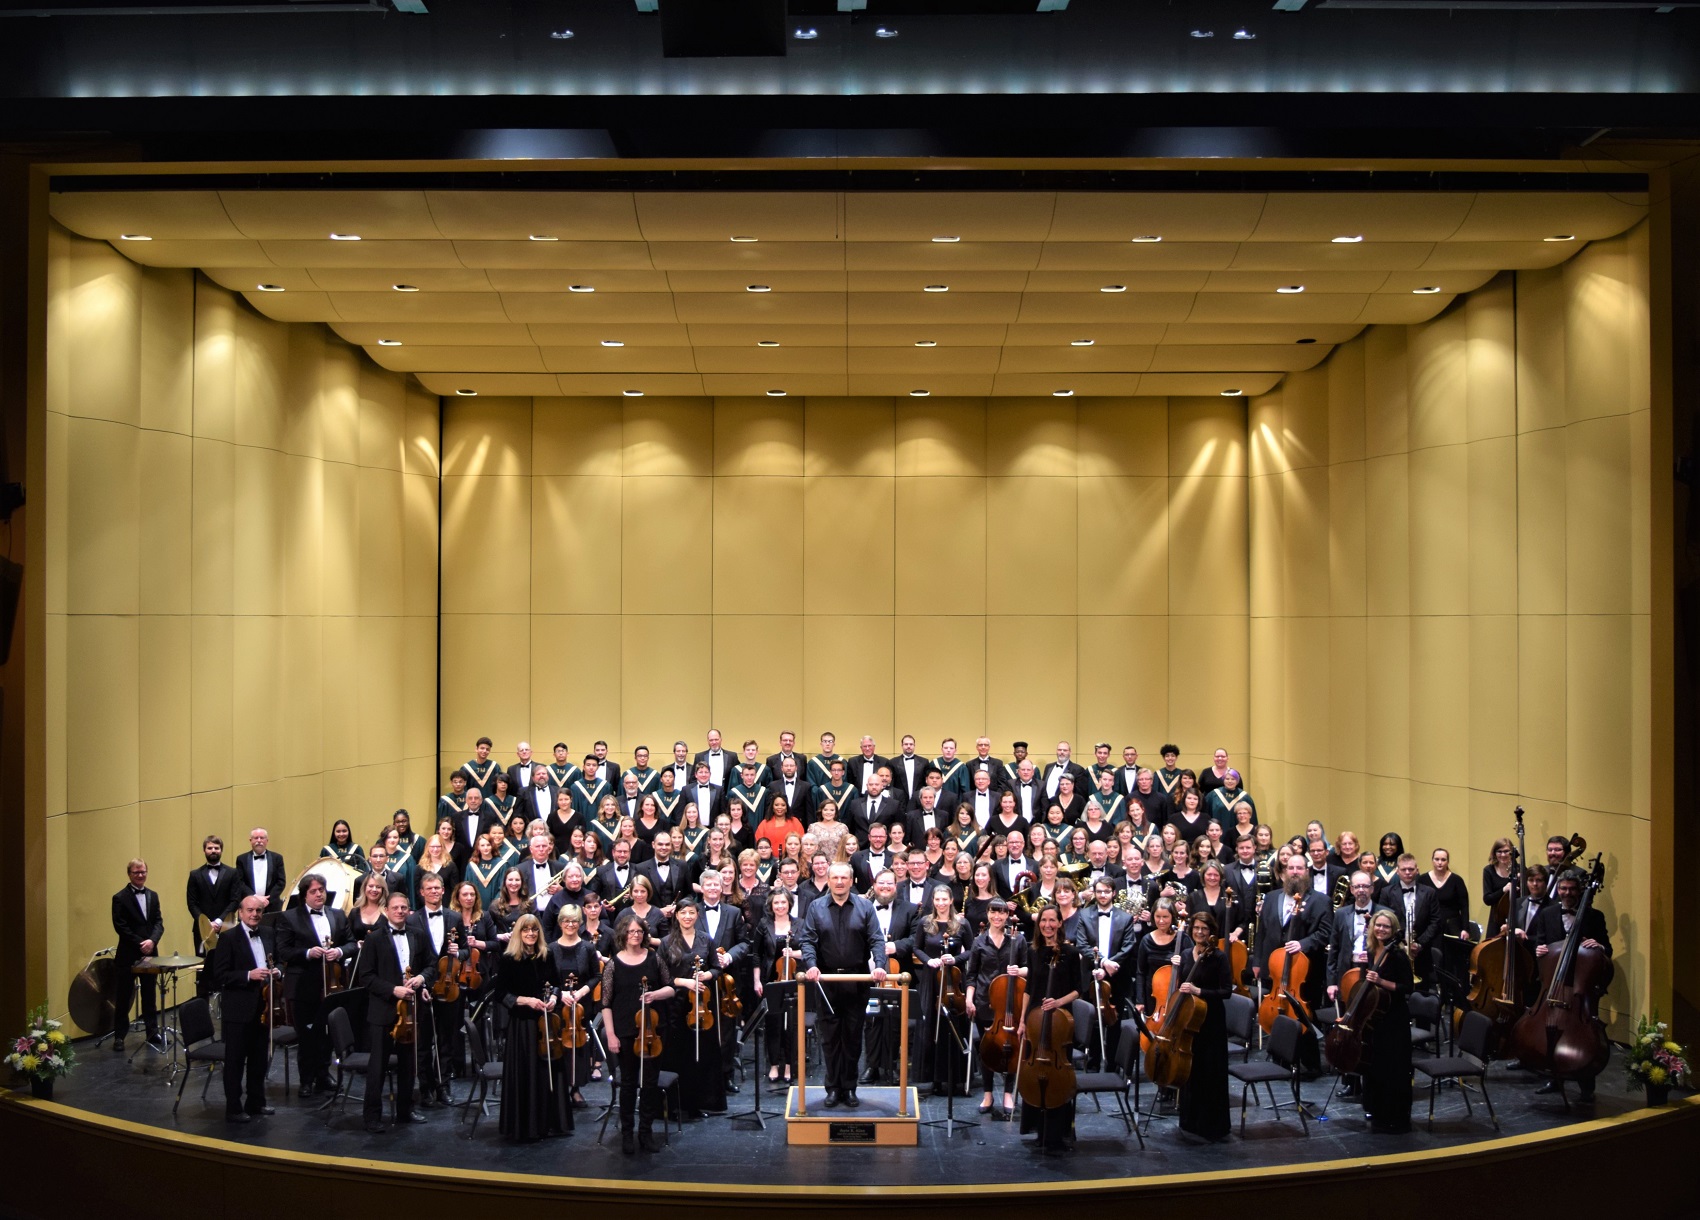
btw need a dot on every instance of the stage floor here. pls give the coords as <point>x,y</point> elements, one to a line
<point>718,1149</point>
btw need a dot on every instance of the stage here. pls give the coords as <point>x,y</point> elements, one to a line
<point>115,1112</point>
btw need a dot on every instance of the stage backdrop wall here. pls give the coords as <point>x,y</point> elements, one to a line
<point>241,586</point>
<point>643,569</point>
<point>1450,582</point>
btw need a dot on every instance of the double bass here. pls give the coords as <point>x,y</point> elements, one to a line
<point>1287,973</point>
<point>1502,966</point>
<point>1562,1032</point>
<point>1168,1053</point>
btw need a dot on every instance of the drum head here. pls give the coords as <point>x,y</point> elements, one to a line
<point>90,1001</point>
<point>339,878</point>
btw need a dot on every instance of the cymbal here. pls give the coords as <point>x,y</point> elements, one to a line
<point>175,962</point>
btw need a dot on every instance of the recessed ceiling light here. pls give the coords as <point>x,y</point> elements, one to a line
<point>134,237</point>
<point>1304,340</point>
<point>1204,33</point>
<point>613,343</point>
<point>1113,288</point>
<point>405,287</point>
<point>1232,393</point>
<point>269,287</point>
<point>632,393</point>
<point>776,393</point>
<point>919,393</point>
<point>542,237</point>
<point>1560,237</point>
<point>1289,289</point>
<point>926,343</point>
<point>1347,241</point>
<point>886,31</point>
<point>1243,35</point>
<point>1426,290</point>
<point>1081,342</point>
<point>1146,238</point>
<point>389,342</point>
<point>560,35</point>
<point>345,237</point>
<point>757,288</point>
<point>936,288</point>
<point>767,342</point>
<point>580,288</point>
<point>805,35</point>
<point>467,393</point>
<point>740,237</point>
<point>945,241</point>
<point>1062,393</point>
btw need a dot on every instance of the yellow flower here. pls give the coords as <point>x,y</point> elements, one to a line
<point>28,1064</point>
<point>41,1048</point>
<point>1657,1075</point>
<point>1673,1048</point>
<point>58,1039</point>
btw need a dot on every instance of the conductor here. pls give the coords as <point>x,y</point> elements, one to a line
<point>840,935</point>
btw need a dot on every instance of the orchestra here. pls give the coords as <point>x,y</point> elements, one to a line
<point>627,934</point>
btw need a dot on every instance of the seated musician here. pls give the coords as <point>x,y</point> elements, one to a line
<point>1553,927</point>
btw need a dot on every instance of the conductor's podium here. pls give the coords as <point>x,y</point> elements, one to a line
<point>886,1117</point>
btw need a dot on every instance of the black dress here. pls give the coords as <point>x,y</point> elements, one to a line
<point>1055,1123</point>
<point>780,1024</point>
<point>1454,954</point>
<point>1204,1108</point>
<point>1387,1065</point>
<point>939,1037</point>
<point>694,1054</point>
<point>532,1104</point>
<point>577,962</point>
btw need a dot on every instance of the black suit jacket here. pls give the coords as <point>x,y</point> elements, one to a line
<point>1342,937</point>
<point>607,884</point>
<point>864,868</point>
<point>214,901</point>
<point>520,775</point>
<point>1002,775</point>
<point>929,883</point>
<point>379,972</point>
<point>1311,927</point>
<point>275,880</point>
<point>944,806</point>
<point>905,922</point>
<point>1039,803</point>
<point>1425,929</point>
<point>732,935</point>
<point>710,801</point>
<point>1083,781</point>
<point>462,851</point>
<point>1519,917</point>
<point>231,960</point>
<point>132,926</point>
<point>728,766</point>
<point>677,884</point>
<point>857,768</point>
<point>900,777</point>
<point>1004,877</point>
<point>525,801</point>
<point>802,798</point>
<point>454,927</point>
<point>1549,926</point>
<point>1123,943</point>
<point>303,977</point>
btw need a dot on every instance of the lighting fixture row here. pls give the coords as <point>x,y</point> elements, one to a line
<point>912,393</point>
<point>1343,240</point>
<point>1285,289</point>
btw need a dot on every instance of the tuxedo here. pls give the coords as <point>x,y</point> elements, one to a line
<point>537,878</point>
<point>274,878</point>
<point>1343,939</point>
<point>379,974</point>
<point>859,769</point>
<point>944,805</point>
<point>1311,925</point>
<point>467,830</point>
<point>1029,799</point>
<point>1115,874</point>
<point>865,864</point>
<point>1127,780</point>
<point>1002,776</point>
<point>136,917</point>
<point>722,766</point>
<point>668,891</point>
<point>537,804</point>
<point>1115,940</point>
<point>215,898</point>
<point>774,761</point>
<point>983,807</point>
<point>899,922</point>
<point>1056,770</point>
<point>729,933</point>
<point>800,798</point>
<point>1006,872</point>
<point>1419,917</point>
<point>443,1016</point>
<point>907,773</point>
<point>862,811</point>
<point>607,883</point>
<point>1549,927</point>
<point>304,980</point>
<point>919,896</point>
<point>520,775</point>
<point>710,800</point>
<point>1524,912</point>
<point>1245,893</point>
<point>242,1002</point>
<point>684,774</point>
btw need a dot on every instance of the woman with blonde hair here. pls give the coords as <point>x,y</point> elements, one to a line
<point>533,1104</point>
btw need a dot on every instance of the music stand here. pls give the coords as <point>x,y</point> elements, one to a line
<point>755,1111</point>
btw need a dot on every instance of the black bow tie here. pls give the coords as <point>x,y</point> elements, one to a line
<point>137,892</point>
<point>253,935</point>
<point>883,906</point>
<point>711,910</point>
<point>433,914</point>
<point>1361,910</point>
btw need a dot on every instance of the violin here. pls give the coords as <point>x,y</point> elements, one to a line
<point>446,987</point>
<point>648,1027</point>
<point>552,1028</point>
<point>1360,1004</point>
<point>1046,1077</point>
<point>951,996</point>
<point>1239,953</point>
<point>785,967</point>
<point>1562,1032</point>
<point>699,1014</point>
<point>273,1013</point>
<point>334,976</point>
<point>1168,1055</point>
<point>405,1032</point>
<point>576,1034</point>
<point>471,977</point>
<point>1001,1043</point>
<point>731,1004</point>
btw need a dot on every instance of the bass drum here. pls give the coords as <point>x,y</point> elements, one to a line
<point>90,1001</point>
<point>340,880</point>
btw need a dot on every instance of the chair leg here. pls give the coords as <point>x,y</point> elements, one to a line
<point>1244,1089</point>
<point>1433,1088</point>
<point>207,1085</point>
<point>181,1085</point>
<point>1299,1105</point>
<point>1488,1099</point>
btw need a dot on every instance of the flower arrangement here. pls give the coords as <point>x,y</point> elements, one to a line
<point>1654,1059</point>
<point>43,1051</point>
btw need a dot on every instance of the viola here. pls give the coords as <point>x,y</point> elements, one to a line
<point>405,1032</point>
<point>648,1026</point>
<point>471,977</point>
<point>274,1013</point>
<point>1000,1045</point>
<point>731,1004</point>
<point>446,986</point>
<point>784,967</point>
<point>1168,1057</point>
<point>699,1013</point>
<point>1046,1077</point>
<point>1562,1032</point>
<point>576,1034</point>
<point>1360,1003</point>
<point>552,1029</point>
<point>951,996</point>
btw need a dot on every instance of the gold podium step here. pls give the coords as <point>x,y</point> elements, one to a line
<point>875,1123</point>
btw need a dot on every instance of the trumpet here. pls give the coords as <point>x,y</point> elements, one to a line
<point>1414,952</point>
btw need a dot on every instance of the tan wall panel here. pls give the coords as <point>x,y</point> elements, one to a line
<point>1031,436</point>
<point>849,436</point>
<point>1031,679</point>
<point>1348,664</point>
<point>1440,530</point>
<point>1305,416</point>
<point>1307,702</point>
<point>380,688</point>
<point>940,662</point>
<point>1600,721</point>
<point>1305,520</point>
<point>1265,500</point>
<point>105,486</point>
<point>747,699</point>
<point>941,436</point>
<point>340,547</point>
<point>419,495</point>
<point>382,412</point>
<point>1542,735</point>
<point>1490,330</point>
<point>1122,436</point>
<point>666,561</point>
<point>1038,517</point>
<point>57,497</point>
<point>255,678</point>
<point>1123,537</point>
<point>667,436</point>
<point>1208,699</point>
<point>302,546</point>
<point>419,690</point>
<point>1387,531</point>
<point>946,559</point>
<point>1347,401</point>
<point>834,697</point>
<point>485,520</point>
<point>163,521</point>
<point>1541,342</point>
<point>1348,573</point>
<point>212,673</point>
<point>212,572</point>
<point>574,558</point>
<point>1387,706</point>
<point>1265,424</point>
<point>1541,512</point>
<point>486,437</point>
<point>261,350</point>
<point>256,529</point>
<point>1492,558</point>
<point>104,346</point>
<point>497,709</point>
<point>339,646</point>
<point>849,557</point>
<point>1604,305</point>
<point>1439,381</point>
<point>102,694</point>
<point>215,361</point>
<point>1122,679</point>
<point>1207,534</point>
<point>304,395</point>
<point>1597,520</point>
<point>302,708</point>
<point>671,653</point>
<point>757,436</point>
<point>758,545</point>
<point>1440,703</point>
<point>1386,391</point>
<point>1266,693</point>
<point>162,716</point>
<point>1492,683</point>
<point>1206,437</point>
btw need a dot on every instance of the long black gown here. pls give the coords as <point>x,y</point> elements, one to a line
<point>695,1056</point>
<point>780,1029</point>
<point>532,1105</point>
<point>577,962</point>
<point>938,1038</point>
<point>1204,1110</point>
<point>1387,1064</point>
<point>1055,1123</point>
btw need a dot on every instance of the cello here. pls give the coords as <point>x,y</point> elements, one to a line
<point>1168,1055</point>
<point>1288,970</point>
<point>1562,1032</point>
<point>1046,1078</point>
<point>1360,1005</point>
<point>1000,1045</point>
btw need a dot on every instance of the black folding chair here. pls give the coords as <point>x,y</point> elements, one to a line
<point>1471,1062</point>
<point>1242,1024</point>
<point>484,1073</point>
<point>195,1026</point>
<point>350,1064</point>
<point>1119,1081</point>
<point>1282,1064</point>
